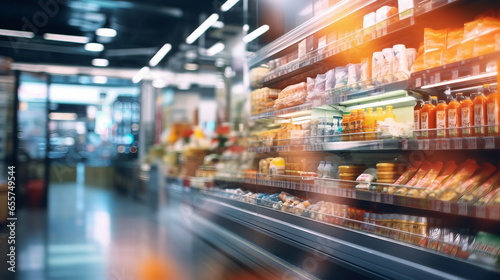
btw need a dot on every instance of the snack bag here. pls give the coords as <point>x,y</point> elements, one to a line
<point>486,249</point>
<point>453,40</point>
<point>485,41</point>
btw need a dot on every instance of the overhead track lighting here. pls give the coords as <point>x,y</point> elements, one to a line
<point>256,33</point>
<point>160,55</point>
<point>100,62</point>
<point>106,30</point>
<point>94,47</point>
<point>215,49</point>
<point>66,38</point>
<point>140,75</point>
<point>228,5</point>
<point>202,28</point>
<point>16,33</point>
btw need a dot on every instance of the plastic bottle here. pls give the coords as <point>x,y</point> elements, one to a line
<point>467,112</point>
<point>369,125</point>
<point>460,97</point>
<point>345,126</point>
<point>320,169</point>
<point>427,118</point>
<point>379,116</point>
<point>441,119</point>
<point>454,118</point>
<point>480,113</point>
<point>277,166</point>
<point>416,114</point>
<point>389,114</point>
<point>493,113</point>
<point>352,124</point>
<point>360,122</point>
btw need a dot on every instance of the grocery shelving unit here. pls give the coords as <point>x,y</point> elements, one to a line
<point>292,237</point>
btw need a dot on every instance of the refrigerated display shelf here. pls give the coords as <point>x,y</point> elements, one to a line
<point>393,27</point>
<point>345,189</point>
<point>472,71</point>
<point>296,238</point>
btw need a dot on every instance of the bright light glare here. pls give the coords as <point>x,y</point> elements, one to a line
<point>228,5</point>
<point>106,32</point>
<point>100,62</point>
<point>140,75</point>
<point>63,116</point>
<point>202,28</point>
<point>66,38</point>
<point>256,33</point>
<point>215,49</point>
<point>94,47</point>
<point>160,55</point>
<point>16,33</point>
<point>100,79</point>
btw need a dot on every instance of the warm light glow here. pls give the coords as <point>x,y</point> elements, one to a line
<point>16,33</point>
<point>256,33</point>
<point>160,55</point>
<point>215,49</point>
<point>228,5</point>
<point>106,32</point>
<point>66,38</point>
<point>202,28</point>
<point>94,47</point>
<point>140,75</point>
<point>63,116</point>
<point>100,79</point>
<point>470,78</point>
<point>100,62</point>
<point>403,101</point>
<point>191,66</point>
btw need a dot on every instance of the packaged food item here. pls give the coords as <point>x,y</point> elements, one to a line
<point>387,65</point>
<point>365,74</point>
<point>480,114</point>
<point>466,47</point>
<point>455,192</point>
<point>493,113</point>
<point>453,40</point>
<point>411,53</point>
<point>377,65</point>
<point>360,121</point>
<point>489,185</point>
<point>345,126</point>
<point>420,229</point>
<point>311,94</point>
<point>461,175</point>
<point>435,237</point>
<point>388,167</point>
<point>400,68</point>
<point>454,118</point>
<point>353,75</point>
<point>292,95</point>
<point>486,249</point>
<point>434,45</point>
<point>427,179</point>
<point>277,166</point>
<point>409,173</point>
<point>485,41</point>
<point>491,198</point>
<point>330,79</point>
<point>383,17</point>
<point>341,78</point>
<point>467,116</point>
<point>419,175</point>
<point>447,171</point>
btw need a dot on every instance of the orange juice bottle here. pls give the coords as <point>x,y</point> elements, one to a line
<point>345,126</point>
<point>369,125</point>
<point>352,124</point>
<point>389,114</point>
<point>416,114</point>
<point>480,113</point>
<point>454,118</point>
<point>467,112</point>
<point>360,124</point>
<point>441,119</point>
<point>427,119</point>
<point>493,113</point>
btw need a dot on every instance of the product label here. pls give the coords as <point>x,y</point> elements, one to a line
<point>424,122</point>
<point>466,117</point>
<point>416,119</point>
<point>452,118</point>
<point>492,117</point>
<point>440,119</point>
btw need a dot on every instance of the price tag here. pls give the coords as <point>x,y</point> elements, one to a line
<point>404,143</point>
<point>489,142</point>
<point>427,144</point>
<point>420,144</point>
<point>457,143</point>
<point>494,213</point>
<point>376,197</point>
<point>462,209</point>
<point>418,82</point>
<point>445,144</point>
<point>437,205</point>
<point>475,70</point>
<point>446,206</point>
<point>389,198</point>
<point>481,211</point>
<point>454,74</point>
<point>471,143</point>
<point>437,77</point>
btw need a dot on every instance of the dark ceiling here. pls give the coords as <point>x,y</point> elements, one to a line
<point>143,26</point>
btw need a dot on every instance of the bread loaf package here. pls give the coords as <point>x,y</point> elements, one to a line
<point>448,170</point>
<point>464,173</point>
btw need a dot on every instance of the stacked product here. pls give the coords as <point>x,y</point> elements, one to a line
<point>262,100</point>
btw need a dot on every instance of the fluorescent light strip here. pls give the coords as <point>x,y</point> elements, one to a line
<point>106,32</point>
<point>160,55</point>
<point>202,28</point>
<point>215,49</point>
<point>403,101</point>
<point>66,38</point>
<point>94,47</point>
<point>295,114</point>
<point>100,79</point>
<point>485,75</point>
<point>390,94</point>
<point>256,33</point>
<point>16,33</point>
<point>140,74</point>
<point>100,62</point>
<point>228,5</point>
<point>63,116</point>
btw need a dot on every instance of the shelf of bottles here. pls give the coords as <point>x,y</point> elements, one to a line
<point>377,192</point>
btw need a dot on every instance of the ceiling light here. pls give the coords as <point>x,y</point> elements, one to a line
<point>100,62</point>
<point>158,83</point>
<point>228,5</point>
<point>160,55</point>
<point>106,30</point>
<point>15,33</point>
<point>202,28</point>
<point>140,75</point>
<point>218,24</point>
<point>215,49</point>
<point>256,33</point>
<point>191,66</point>
<point>66,38</point>
<point>94,47</point>
<point>63,116</point>
<point>100,79</point>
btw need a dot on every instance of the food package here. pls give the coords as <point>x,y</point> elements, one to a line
<point>319,88</point>
<point>485,42</point>
<point>292,95</point>
<point>490,184</point>
<point>377,64</point>
<point>486,249</point>
<point>427,179</point>
<point>387,65</point>
<point>448,170</point>
<point>466,47</point>
<point>353,75</point>
<point>330,79</point>
<point>409,173</point>
<point>310,89</point>
<point>434,45</point>
<point>419,175</point>
<point>365,74</point>
<point>492,198</point>
<point>340,76</point>
<point>453,40</point>
<point>455,192</point>
<point>383,17</point>
<point>400,68</point>
<point>461,175</point>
